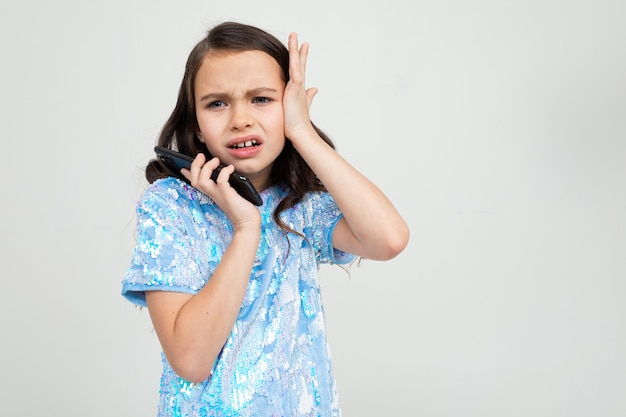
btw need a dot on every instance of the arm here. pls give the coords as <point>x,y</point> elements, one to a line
<point>371,226</point>
<point>193,329</point>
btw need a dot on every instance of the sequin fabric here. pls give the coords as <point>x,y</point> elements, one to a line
<point>276,361</point>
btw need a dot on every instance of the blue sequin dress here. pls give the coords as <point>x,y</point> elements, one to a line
<point>276,360</point>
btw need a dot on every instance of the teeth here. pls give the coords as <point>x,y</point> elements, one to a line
<point>246,144</point>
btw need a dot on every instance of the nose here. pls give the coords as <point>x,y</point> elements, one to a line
<point>241,117</point>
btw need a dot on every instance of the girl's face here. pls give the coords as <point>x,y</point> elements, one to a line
<point>238,100</point>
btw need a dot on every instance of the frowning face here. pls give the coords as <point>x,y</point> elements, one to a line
<point>238,101</point>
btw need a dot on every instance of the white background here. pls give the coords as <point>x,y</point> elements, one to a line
<point>498,128</point>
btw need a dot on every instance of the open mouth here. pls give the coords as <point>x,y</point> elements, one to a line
<point>246,144</point>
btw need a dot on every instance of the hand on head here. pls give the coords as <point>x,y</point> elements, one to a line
<point>297,99</point>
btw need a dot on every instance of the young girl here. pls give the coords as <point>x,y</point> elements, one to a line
<point>232,288</point>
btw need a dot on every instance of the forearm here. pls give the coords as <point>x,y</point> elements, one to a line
<point>371,217</point>
<point>197,330</point>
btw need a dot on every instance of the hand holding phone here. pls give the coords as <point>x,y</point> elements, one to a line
<point>177,161</point>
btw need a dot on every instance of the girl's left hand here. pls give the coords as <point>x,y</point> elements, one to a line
<point>296,99</point>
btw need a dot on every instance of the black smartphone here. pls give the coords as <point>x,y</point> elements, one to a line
<point>176,161</point>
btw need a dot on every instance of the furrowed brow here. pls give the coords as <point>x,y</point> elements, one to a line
<point>259,91</point>
<point>213,96</point>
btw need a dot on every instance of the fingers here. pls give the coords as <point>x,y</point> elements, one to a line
<point>209,177</point>
<point>310,93</point>
<point>297,66</point>
<point>303,55</point>
<point>200,170</point>
<point>196,165</point>
<point>224,174</point>
<point>297,59</point>
<point>294,58</point>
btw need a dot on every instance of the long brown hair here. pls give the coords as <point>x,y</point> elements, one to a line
<point>180,131</point>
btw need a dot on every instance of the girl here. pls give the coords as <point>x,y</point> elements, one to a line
<point>232,288</point>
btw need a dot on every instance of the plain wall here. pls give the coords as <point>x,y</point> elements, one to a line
<point>498,128</point>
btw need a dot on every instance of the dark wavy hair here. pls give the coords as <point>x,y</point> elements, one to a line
<point>180,131</point>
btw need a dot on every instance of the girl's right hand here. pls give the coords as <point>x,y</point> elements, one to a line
<point>241,212</point>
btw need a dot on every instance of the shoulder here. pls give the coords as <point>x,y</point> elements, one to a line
<point>313,197</point>
<point>316,209</point>
<point>171,192</point>
<point>172,188</point>
<point>320,202</point>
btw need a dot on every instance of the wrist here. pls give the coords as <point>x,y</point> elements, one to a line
<point>245,241</point>
<point>305,134</point>
<point>249,229</point>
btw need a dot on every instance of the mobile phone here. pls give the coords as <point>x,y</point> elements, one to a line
<point>177,161</point>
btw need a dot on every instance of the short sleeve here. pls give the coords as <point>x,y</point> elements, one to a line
<point>324,217</point>
<point>167,256</point>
